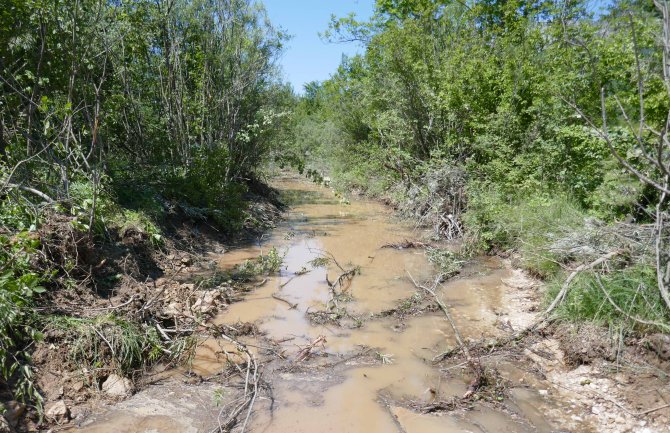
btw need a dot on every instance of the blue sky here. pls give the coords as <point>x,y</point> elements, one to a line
<point>307,57</point>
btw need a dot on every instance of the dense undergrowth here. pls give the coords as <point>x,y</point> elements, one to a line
<point>522,128</point>
<point>120,123</point>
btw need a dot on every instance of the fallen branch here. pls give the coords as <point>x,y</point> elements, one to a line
<point>544,318</point>
<point>252,379</point>
<point>291,305</point>
<point>38,193</point>
<point>566,285</point>
<point>474,364</point>
<point>306,351</point>
<point>406,245</point>
<point>347,276</point>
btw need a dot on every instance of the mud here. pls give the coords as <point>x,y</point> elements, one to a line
<point>374,372</point>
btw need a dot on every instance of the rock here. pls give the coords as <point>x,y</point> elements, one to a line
<point>173,309</point>
<point>58,412</point>
<point>206,301</point>
<point>13,412</point>
<point>660,343</point>
<point>117,386</point>
<point>4,425</point>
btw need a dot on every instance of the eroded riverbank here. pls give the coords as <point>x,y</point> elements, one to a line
<point>374,372</point>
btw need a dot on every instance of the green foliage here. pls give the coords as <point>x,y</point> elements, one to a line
<point>447,262</point>
<point>19,285</point>
<point>264,264</point>
<point>490,88</point>
<point>529,225</point>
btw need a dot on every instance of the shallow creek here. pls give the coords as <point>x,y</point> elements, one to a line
<point>363,394</point>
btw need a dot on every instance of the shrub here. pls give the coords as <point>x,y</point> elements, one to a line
<point>19,284</point>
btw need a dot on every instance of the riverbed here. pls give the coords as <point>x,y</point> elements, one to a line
<point>374,372</point>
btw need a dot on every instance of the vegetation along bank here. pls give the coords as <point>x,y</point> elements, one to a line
<point>137,136</point>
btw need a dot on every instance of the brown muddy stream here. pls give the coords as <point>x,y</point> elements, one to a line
<point>337,391</point>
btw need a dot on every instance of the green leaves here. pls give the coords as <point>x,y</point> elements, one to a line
<point>18,286</point>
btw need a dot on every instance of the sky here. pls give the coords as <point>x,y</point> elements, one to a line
<point>306,57</point>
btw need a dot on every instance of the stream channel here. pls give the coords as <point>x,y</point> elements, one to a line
<point>374,368</point>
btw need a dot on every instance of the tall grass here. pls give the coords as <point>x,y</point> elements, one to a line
<point>529,226</point>
<point>622,298</point>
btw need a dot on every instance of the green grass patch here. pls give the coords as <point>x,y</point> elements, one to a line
<point>108,341</point>
<point>633,290</point>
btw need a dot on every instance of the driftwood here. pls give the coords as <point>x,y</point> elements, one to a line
<point>291,305</point>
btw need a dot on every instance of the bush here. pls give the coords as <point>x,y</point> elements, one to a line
<point>19,284</point>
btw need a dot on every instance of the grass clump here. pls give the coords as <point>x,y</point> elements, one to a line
<point>108,341</point>
<point>625,298</point>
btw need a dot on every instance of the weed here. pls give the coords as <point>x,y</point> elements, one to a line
<point>265,264</point>
<point>112,342</point>
<point>633,290</point>
<point>448,262</point>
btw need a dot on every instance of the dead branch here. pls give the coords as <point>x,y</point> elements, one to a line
<point>544,318</point>
<point>38,193</point>
<point>406,244</point>
<point>307,351</point>
<point>347,276</point>
<point>566,285</point>
<point>251,389</point>
<point>291,305</point>
<point>474,364</point>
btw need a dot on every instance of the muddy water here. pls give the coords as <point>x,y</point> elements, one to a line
<point>345,386</point>
<point>361,397</point>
